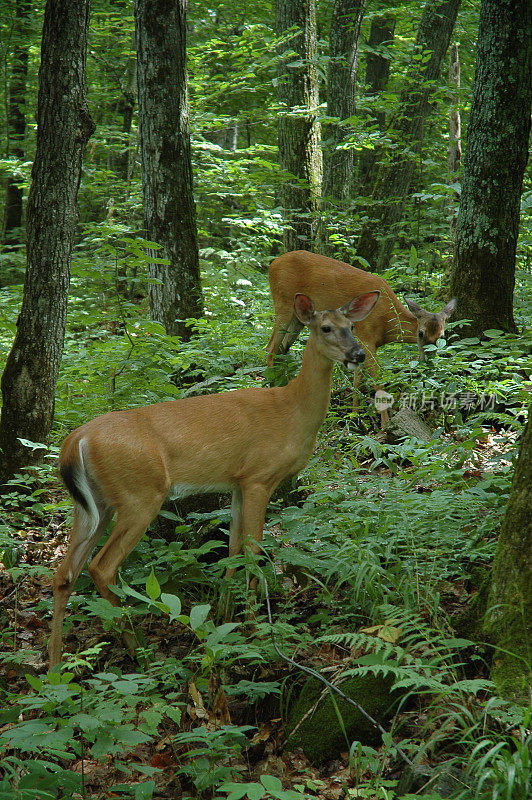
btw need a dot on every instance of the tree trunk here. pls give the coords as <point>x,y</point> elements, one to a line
<point>169,209</point>
<point>496,154</point>
<point>379,234</point>
<point>508,620</point>
<point>299,128</point>
<point>16,123</point>
<point>63,128</point>
<point>125,107</point>
<point>339,165</point>
<point>454,153</point>
<point>377,73</point>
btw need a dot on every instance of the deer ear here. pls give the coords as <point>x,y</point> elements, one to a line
<point>414,307</point>
<point>449,308</point>
<point>360,307</point>
<point>303,308</point>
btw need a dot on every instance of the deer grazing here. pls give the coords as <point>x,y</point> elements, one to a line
<point>245,441</point>
<point>330,283</point>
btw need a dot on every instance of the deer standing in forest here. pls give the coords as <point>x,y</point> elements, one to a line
<point>246,441</point>
<point>330,283</point>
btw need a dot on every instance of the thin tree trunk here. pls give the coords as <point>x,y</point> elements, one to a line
<point>169,209</point>
<point>339,165</point>
<point>299,129</point>
<point>126,106</point>
<point>377,73</point>
<point>16,123</point>
<point>378,235</point>
<point>509,618</point>
<point>496,154</point>
<point>454,152</point>
<point>63,128</point>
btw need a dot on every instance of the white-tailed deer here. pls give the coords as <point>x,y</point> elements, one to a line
<point>330,283</point>
<point>245,441</point>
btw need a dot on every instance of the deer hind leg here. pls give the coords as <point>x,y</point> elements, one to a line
<point>131,524</point>
<point>86,531</point>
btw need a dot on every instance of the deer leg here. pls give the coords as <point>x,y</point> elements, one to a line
<point>372,367</point>
<point>290,334</point>
<point>255,502</point>
<point>235,529</point>
<point>83,538</point>
<point>131,524</point>
<point>357,382</point>
<point>275,340</point>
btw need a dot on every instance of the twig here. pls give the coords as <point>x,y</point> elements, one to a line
<point>330,685</point>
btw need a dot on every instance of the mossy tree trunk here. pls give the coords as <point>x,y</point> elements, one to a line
<point>378,235</point>
<point>169,209</point>
<point>496,153</point>
<point>300,156</point>
<point>64,126</point>
<point>339,165</point>
<point>509,616</point>
<point>381,35</point>
<point>16,123</point>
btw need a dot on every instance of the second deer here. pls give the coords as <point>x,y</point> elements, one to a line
<point>245,441</point>
<point>330,283</point>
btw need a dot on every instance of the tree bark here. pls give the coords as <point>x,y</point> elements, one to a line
<point>16,123</point>
<point>299,129</point>
<point>508,620</point>
<point>378,235</point>
<point>483,274</point>
<point>64,126</point>
<point>339,165</point>
<point>377,73</point>
<point>169,209</point>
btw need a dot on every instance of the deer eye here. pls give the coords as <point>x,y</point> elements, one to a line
<point>326,328</point>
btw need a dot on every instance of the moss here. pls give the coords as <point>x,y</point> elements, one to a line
<point>320,733</point>
<point>469,623</point>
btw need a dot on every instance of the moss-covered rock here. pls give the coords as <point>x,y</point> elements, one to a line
<point>313,723</point>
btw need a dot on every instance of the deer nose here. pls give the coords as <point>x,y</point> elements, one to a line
<point>356,355</point>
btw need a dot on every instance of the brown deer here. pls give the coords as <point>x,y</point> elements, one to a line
<point>330,283</point>
<point>245,441</point>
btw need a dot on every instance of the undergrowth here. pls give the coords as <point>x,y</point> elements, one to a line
<point>369,563</point>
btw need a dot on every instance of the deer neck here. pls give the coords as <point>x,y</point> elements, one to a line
<point>311,388</point>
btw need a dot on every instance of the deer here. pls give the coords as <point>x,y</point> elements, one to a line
<point>331,283</point>
<point>246,441</point>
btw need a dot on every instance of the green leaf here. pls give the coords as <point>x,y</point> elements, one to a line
<point>153,590</point>
<point>34,682</point>
<point>271,783</point>
<point>173,604</point>
<point>198,615</point>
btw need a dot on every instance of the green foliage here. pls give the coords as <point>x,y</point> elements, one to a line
<point>385,537</point>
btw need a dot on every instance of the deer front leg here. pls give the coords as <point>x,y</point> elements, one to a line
<point>255,499</point>
<point>373,369</point>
